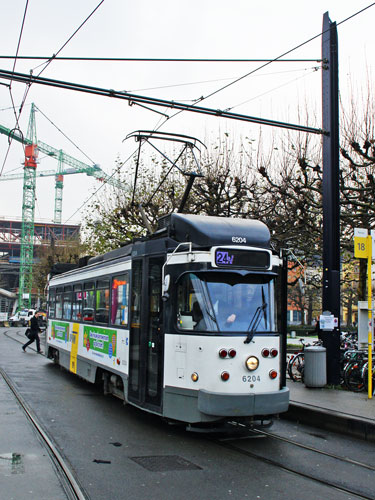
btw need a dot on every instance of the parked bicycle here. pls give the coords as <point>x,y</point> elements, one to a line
<point>296,364</point>
<point>352,370</point>
<point>365,375</point>
<point>353,364</point>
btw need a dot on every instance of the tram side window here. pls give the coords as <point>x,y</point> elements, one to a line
<point>102,301</point>
<point>67,304</point>
<point>120,300</point>
<point>59,304</point>
<point>88,302</point>
<point>51,303</point>
<point>77,303</point>
<point>187,304</point>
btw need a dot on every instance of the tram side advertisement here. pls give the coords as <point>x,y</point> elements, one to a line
<point>60,331</point>
<point>100,341</point>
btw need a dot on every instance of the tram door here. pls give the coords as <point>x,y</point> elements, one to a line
<point>146,339</point>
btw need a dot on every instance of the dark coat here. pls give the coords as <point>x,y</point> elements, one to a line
<point>34,325</point>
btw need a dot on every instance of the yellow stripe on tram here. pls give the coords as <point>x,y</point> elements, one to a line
<point>74,349</point>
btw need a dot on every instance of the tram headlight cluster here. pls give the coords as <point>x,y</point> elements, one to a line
<point>252,362</point>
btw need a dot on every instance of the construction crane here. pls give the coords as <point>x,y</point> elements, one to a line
<point>64,162</point>
<point>67,165</point>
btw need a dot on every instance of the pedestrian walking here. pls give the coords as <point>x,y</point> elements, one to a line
<point>34,333</point>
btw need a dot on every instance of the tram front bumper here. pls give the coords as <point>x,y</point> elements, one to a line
<point>242,405</point>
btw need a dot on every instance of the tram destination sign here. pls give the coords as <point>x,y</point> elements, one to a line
<point>237,257</point>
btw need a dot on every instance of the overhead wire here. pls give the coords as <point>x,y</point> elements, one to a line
<point>186,84</point>
<point>150,59</point>
<point>272,90</point>
<point>116,171</point>
<point>46,65</point>
<point>69,39</point>
<point>10,85</point>
<point>66,137</point>
<point>284,54</point>
<point>277,59</point>
<point>132,155</point>
<point>18,47</point>
<point>58,52</point>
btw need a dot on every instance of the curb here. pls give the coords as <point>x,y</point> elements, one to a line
<point>334,421</point>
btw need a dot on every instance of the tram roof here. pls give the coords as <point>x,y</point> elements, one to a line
<point>201,230</point>
<point>206,230</point>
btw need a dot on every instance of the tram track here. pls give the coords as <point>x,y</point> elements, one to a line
<point>312,448</point>
<point>293,470</point>
<point>230,444</point>
<point>23,339</point>
<point>70,485</point>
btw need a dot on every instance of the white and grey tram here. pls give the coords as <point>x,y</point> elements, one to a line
<point>184,323</point>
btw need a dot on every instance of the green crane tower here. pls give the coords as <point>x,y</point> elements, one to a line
<point>28,208</point>
<point>67,165</point>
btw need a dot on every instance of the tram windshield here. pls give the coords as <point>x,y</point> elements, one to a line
<point>226,302</point>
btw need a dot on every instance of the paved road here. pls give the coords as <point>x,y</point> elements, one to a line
<point>121,452</point>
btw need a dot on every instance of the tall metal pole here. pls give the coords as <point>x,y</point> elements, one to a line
<point>331,196</point>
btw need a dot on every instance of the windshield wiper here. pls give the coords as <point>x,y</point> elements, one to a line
<point>208,304</point>
<point>212,317</point>
<point>254,322</point>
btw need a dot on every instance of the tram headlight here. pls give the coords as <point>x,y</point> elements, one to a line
<point>252,363</point>
<point>194,377</point>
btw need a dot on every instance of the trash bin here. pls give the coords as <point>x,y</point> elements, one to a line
<point>315,369</point>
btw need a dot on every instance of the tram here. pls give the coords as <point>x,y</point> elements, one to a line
<point>185,323</point>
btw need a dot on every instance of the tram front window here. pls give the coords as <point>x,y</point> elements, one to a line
<point>226,302</point>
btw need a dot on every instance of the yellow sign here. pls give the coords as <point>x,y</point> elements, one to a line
<point>361,247</point>
<point>74,351</point>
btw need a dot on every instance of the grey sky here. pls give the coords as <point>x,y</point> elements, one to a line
<point>170,29</point>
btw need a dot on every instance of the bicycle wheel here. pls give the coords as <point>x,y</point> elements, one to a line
<point>353,377</point>
<point>296,366</point>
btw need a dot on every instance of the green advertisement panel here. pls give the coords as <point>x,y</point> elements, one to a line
<point>60,331</point>
<point>101,340</point>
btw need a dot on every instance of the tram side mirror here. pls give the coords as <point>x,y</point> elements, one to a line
<point>165,294</point>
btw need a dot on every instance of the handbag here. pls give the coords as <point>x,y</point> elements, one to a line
<point>28,332</point>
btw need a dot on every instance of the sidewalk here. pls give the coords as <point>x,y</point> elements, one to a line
<point>337,410</point>
<point>26,471</point>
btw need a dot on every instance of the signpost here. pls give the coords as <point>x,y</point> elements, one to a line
<point>363,243</point>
